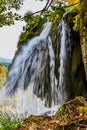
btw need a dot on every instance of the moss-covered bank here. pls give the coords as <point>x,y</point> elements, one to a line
<point>70,116</point>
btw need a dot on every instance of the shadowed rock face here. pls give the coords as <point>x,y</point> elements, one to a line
<point>76,73</point>
<point>78,79</point>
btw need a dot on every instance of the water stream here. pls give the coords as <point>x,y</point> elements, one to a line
<point>31,78</point>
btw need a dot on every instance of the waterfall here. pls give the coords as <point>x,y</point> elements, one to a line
<point>32,74</point>
<point>64,68</point>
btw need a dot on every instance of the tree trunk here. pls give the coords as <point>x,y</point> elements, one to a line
<point>83,32</point>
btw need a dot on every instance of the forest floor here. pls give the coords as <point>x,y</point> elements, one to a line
<point>70,116</point>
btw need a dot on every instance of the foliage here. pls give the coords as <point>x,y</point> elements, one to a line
<point>72,106</point>
<point>6,123</point>
<point>73,18</point>
<point>1,64</point>
<point>35,23</point>
<point>61,110</point>
<point>54,17</point>
<point>76,22</point>
<point>3,70</point>
<point>6,15</point>
<point>33,28</point>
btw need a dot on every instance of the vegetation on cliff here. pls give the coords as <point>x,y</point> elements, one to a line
<point>6,14</point>
<point>35,22</point>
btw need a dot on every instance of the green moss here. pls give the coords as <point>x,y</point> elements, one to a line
<point>70,106</point>
<point>85,107</point>
<point>32,29</point>
<point>54,17</point>
<point>6,123</point>
<point>61,111</point>
<point>76,21</point>
<point>73,18</point>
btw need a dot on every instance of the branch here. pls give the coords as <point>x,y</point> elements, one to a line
<point>50,4</point>
<point>81,125</point>
<point>46,7</point>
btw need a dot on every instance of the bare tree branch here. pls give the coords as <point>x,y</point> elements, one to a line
<point>45,6</point>
<point>48,4</point>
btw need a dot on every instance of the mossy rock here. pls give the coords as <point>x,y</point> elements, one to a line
<point>72,105</point>
<point>68,116</point>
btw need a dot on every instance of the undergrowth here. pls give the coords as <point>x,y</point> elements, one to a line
<point>7,123</point>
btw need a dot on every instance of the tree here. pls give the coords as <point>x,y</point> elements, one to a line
<point>83,32</point>
<point>6,14</point>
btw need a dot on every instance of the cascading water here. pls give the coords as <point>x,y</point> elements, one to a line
<point>64,56</point>
<point>33,70</point>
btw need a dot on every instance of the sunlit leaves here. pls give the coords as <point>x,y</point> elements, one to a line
<point>35,22</point>
<point>76,26</point>
<point>33,28</point>
<point>6,15</point>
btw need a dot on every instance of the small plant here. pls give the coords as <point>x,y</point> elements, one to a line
<point>6,123</point>
<point>76,22</point>
<point>61,111</point>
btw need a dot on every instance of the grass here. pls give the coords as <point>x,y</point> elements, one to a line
<point>7,123</point>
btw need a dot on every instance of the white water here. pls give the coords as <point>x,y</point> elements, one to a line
<point>33,71</point>
<point>62,95</point>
